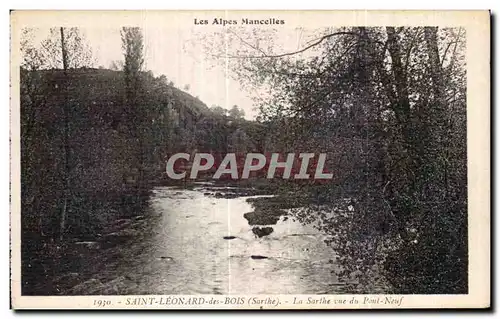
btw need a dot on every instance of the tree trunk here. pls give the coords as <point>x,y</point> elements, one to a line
<point>438,119</point>
<point>399,74</point>
<point>64,89</point>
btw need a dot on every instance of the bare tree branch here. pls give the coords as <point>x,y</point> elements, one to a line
<point>266,55</point>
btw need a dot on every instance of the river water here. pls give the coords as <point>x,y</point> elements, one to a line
<point>194,243</point>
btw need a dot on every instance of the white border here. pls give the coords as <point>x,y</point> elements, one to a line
<point>257,4</point>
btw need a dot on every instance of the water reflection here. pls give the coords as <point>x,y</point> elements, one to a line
<point>198,244</point>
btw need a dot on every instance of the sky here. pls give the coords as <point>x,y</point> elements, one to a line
<point>178,54</point>
<point>174,53</point>
<point>170,52</point>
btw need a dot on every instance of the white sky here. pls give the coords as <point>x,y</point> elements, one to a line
<point>169,52</point>
<point>174,53</point>
<point>178,54</point>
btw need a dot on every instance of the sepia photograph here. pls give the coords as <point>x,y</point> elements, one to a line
<point>246,160</point>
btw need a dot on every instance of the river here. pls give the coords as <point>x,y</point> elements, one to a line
<point>191,242</point>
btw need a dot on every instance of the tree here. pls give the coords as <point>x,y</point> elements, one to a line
<point>378,101</point>
<point>67,165</point>
<point>218,110</point>
<point>77,49</point>
<point>66,49</point>
<point>236,112</point>
<point>31,56</point>
<point>132,45</point>
<point>186,87</point>
<point>116,65</point>
<point>163,79</point>
<point>31,63</point>
<point>33,100</point>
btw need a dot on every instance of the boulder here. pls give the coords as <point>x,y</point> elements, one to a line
<point>262,231</point>
<point>258,257</point>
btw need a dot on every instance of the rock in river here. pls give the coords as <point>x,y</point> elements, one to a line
<point>258,257</point>
<point>262,231</point>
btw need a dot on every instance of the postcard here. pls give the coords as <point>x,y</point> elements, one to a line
<point>250,159</point>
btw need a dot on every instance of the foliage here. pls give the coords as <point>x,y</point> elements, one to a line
<point>388,106</point>
<point>236,112</point>
<point>48,53</point>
